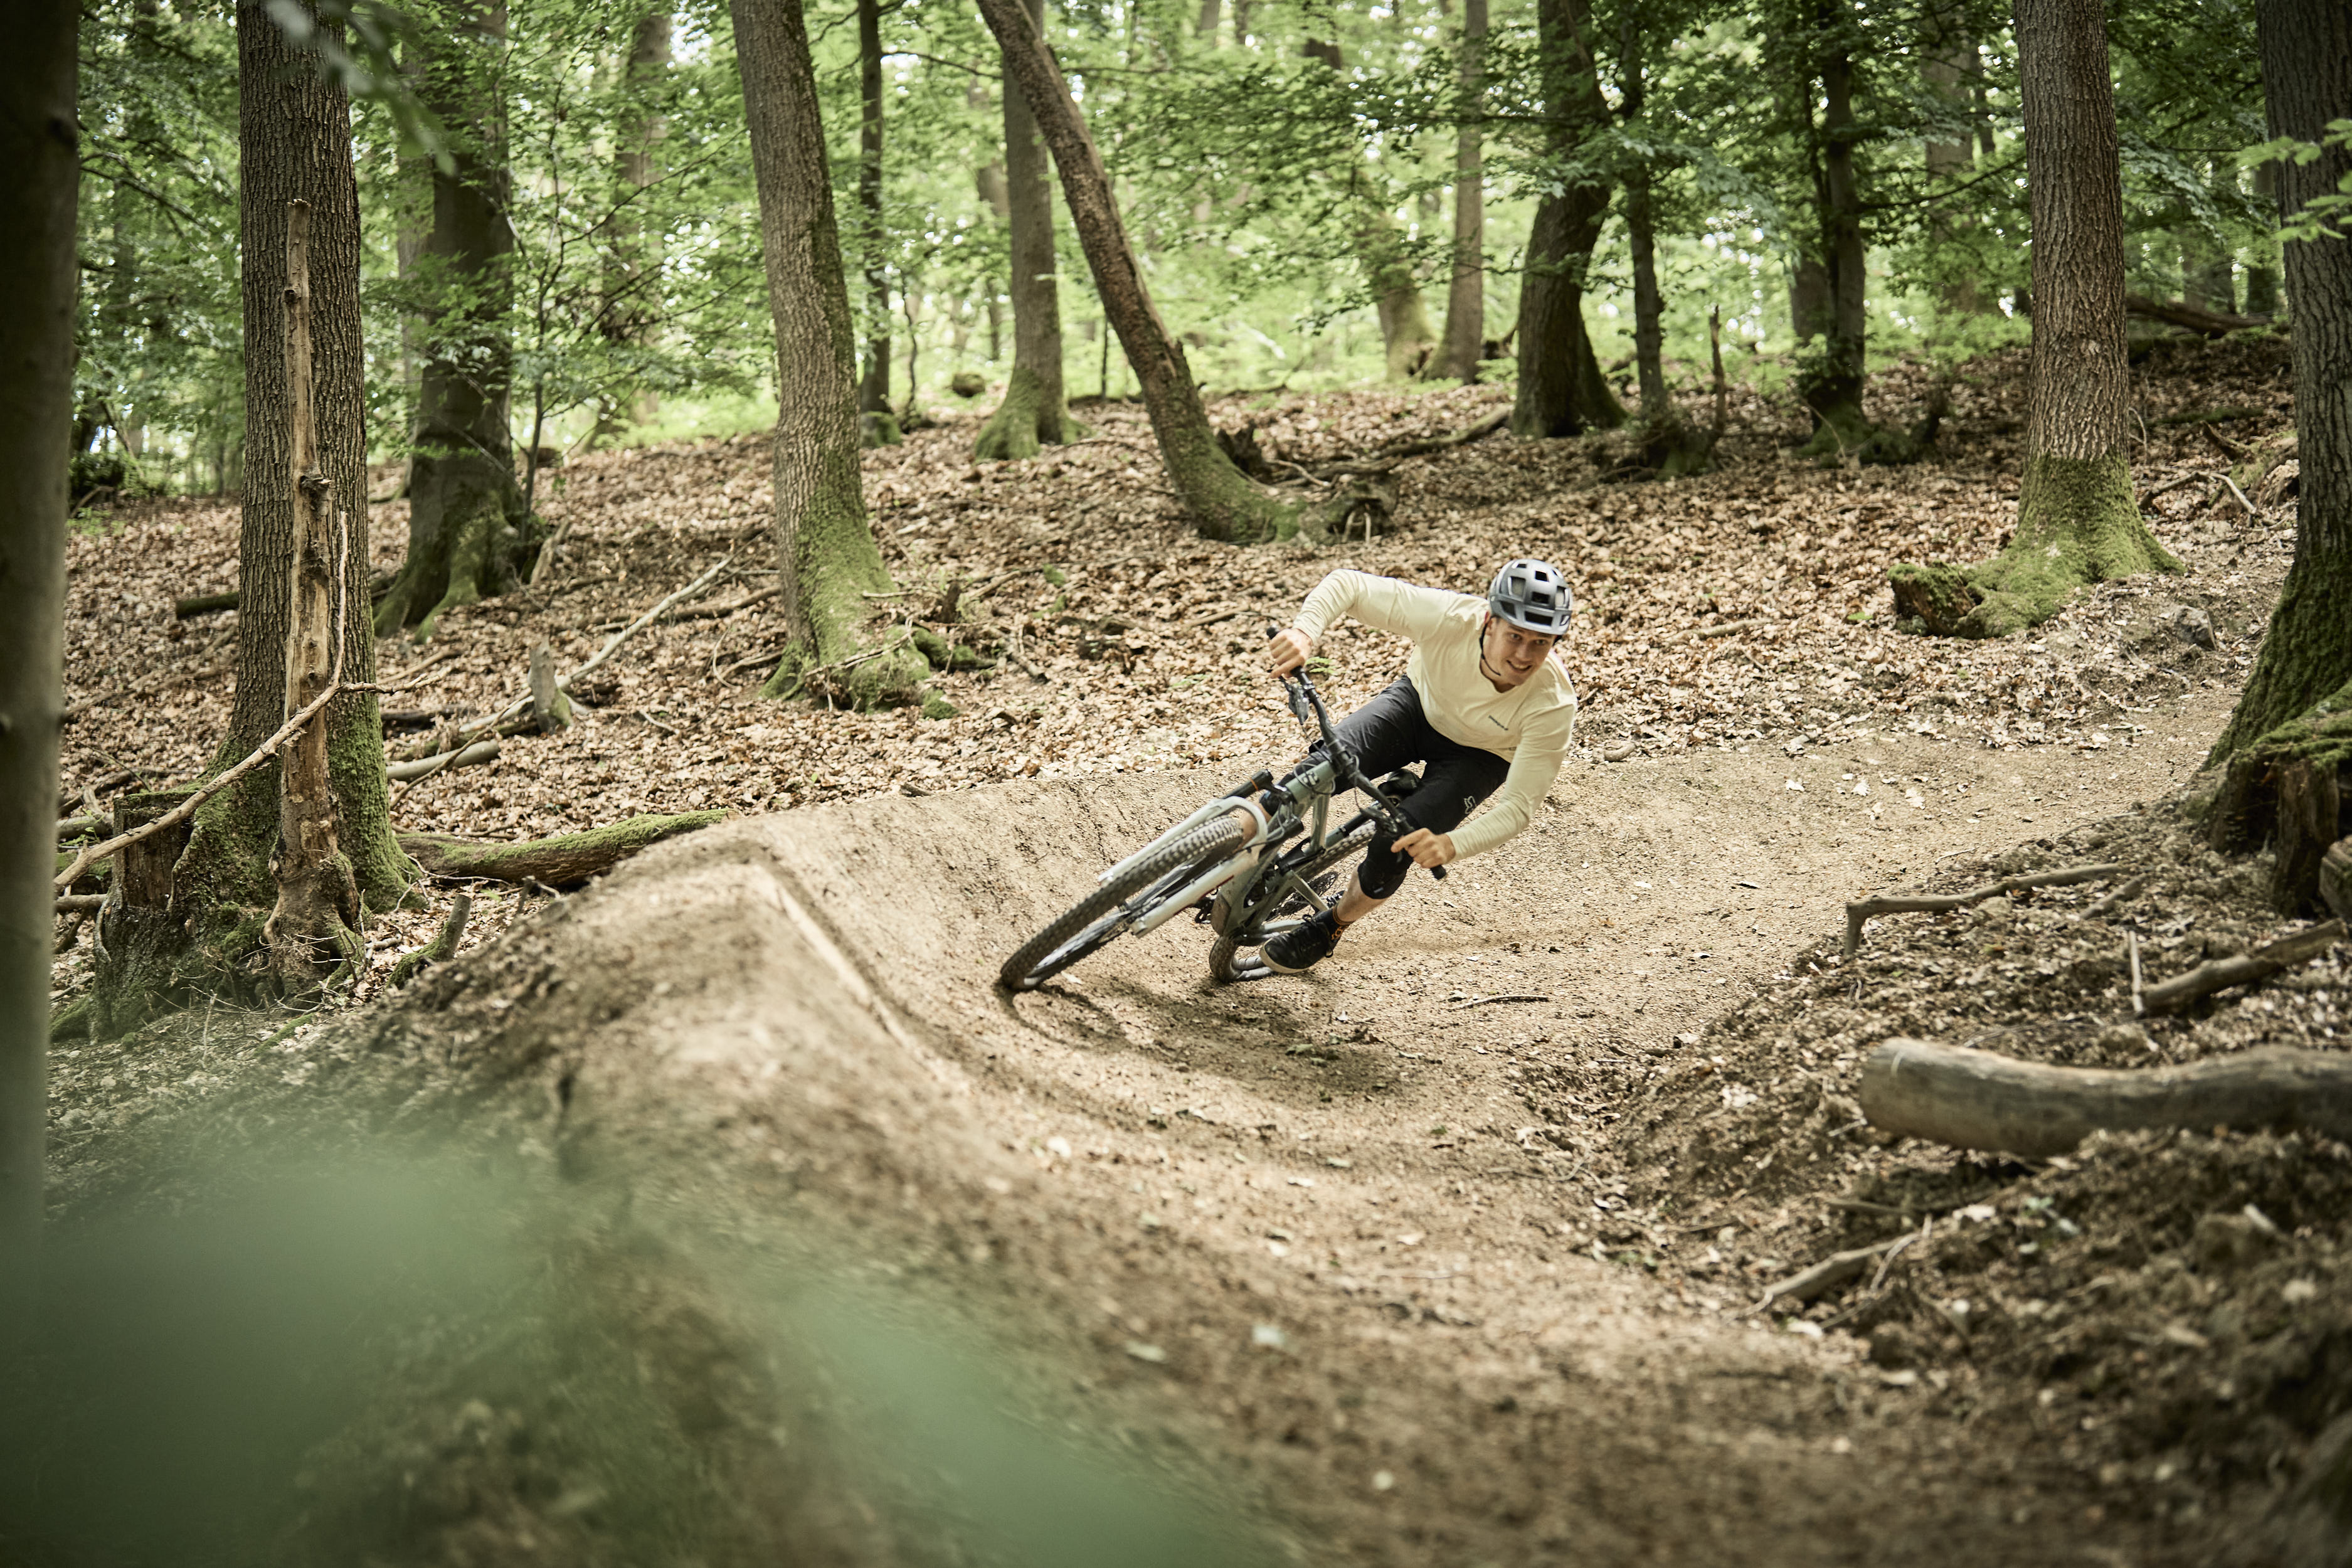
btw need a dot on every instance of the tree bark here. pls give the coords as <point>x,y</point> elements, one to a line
<point>1406,335</point>
<point>873,386</point>
<point>825,553</point>
<point>309,933</point>
<point>2077,521</point>
<point>1979,1100</point>
<point>465,512</point>
<point>564,860</point>
<point>38,143</point>
<point>1562,390</point>
<point>2306,661</point>
<point>294,142</point>
<point>631,305</point>
<point>1832,386</point>
<point>1948,61</point>
<point>1032,411</point>
<point>1224,504</point>
<point>1462,343</point>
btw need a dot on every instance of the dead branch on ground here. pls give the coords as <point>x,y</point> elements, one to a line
<point>441,948</point>
<point>470,756</point>
<point>1863,909</point>
<point>2244,969</point>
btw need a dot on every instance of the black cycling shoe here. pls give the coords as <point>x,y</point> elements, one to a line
<point>1302,947</point>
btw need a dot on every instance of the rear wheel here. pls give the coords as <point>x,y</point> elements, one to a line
<point>1230,960</point>
<point>1110,908</point>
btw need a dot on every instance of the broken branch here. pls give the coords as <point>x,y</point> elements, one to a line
<point>202,792</point>
<point>2219,974</point>
<point>471,756</point>
<point>563,860</point>
<point>1863,910</point>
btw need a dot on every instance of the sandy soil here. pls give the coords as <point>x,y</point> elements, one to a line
<point>1313,1223</point>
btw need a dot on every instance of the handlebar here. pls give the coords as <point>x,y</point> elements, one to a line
<point>1306,704</point>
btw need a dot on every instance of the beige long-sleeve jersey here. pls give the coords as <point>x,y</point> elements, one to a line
<point>1532,724</point>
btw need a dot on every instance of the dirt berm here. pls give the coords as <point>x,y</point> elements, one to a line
<point>1297,1242</point>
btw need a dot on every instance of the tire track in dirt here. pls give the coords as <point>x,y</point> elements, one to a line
<point>1302,1223</point>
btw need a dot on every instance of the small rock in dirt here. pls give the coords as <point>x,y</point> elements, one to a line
<point>2296,1292</point>
<point>1266,1336</point>
<point>2194,627</point>
<point>2123,1037</point>
<point>1618,753</point>
<point>2226,1241</point>
<point>1142,1351</point>
<point>1893,1345</point>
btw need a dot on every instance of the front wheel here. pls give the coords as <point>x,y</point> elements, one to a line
<point>1110,908</point>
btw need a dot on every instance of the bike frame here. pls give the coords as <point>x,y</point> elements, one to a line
<point>1256,880</point>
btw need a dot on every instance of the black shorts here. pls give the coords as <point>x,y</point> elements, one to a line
<point>1389,732</point>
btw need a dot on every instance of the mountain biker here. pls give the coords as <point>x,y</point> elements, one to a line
<point>1483,704</point>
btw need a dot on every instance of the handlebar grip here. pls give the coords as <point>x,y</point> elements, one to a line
<point>1438,872</point>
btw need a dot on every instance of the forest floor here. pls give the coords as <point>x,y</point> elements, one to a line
<point>1446,1252</point>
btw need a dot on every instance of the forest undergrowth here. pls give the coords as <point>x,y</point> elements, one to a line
<point>1744,609</point>
<point>2157,1316</point>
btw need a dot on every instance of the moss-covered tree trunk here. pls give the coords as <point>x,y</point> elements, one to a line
<point>294,142</point>
<point>37,208</point>
<point>1464,339</point>
<point>465,539</point>
<point>2304,670</point>
<point>2076,519</point>
<point>1562,390</point>
<point>1222,500</point>
<point>825,547</point>
<point>1032,411</point>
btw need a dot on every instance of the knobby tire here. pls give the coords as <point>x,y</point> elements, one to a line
<point>1100,916</point>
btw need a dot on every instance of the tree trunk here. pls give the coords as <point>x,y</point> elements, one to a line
<point>294,142</point>
<point>1562,390</point>
<point>1832,386</point>
<point>2305,665</point>
<point>1224,504</point>
<point>1946,66</point>
<point>1464,340</point>
<point>2076,519</point>
<point>1406,335</point>
<point>632,304</point>
<point>826,553</point>
<point>1205,24</point>
<point>37,201</point>
<point>2262,277</point>
<point>874,388</point>
<point>1033,410</point>
<point>465,512</point>
<point>1809,298</point>
<point>1641,235</point>
<point>309,933</point>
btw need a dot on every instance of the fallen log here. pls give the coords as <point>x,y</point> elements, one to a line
<point>79,903</point>
<point>1982,1100</point>
<point>565,860</point>
<point>1863,910</point>
<point>480,751</point>
<point>2244,969</point>
<point>2194,318</point>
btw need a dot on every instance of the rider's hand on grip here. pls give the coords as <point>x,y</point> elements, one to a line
<point>1287,650</point>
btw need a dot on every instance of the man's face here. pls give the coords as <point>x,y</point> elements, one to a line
<point>1513,654</point>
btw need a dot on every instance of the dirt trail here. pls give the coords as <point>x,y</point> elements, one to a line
<point>1305,1222</point>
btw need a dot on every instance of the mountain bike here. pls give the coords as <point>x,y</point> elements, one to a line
<point>1257,861</point>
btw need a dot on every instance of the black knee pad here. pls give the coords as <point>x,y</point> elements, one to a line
<point>1383,873</point>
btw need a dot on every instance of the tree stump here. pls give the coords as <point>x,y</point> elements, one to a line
<point>140,938</point>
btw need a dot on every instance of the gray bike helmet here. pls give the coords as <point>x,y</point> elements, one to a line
<point>1533,596</point>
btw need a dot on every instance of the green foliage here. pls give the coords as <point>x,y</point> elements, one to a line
<point>2321,216</point>
<point>1247,173</point>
